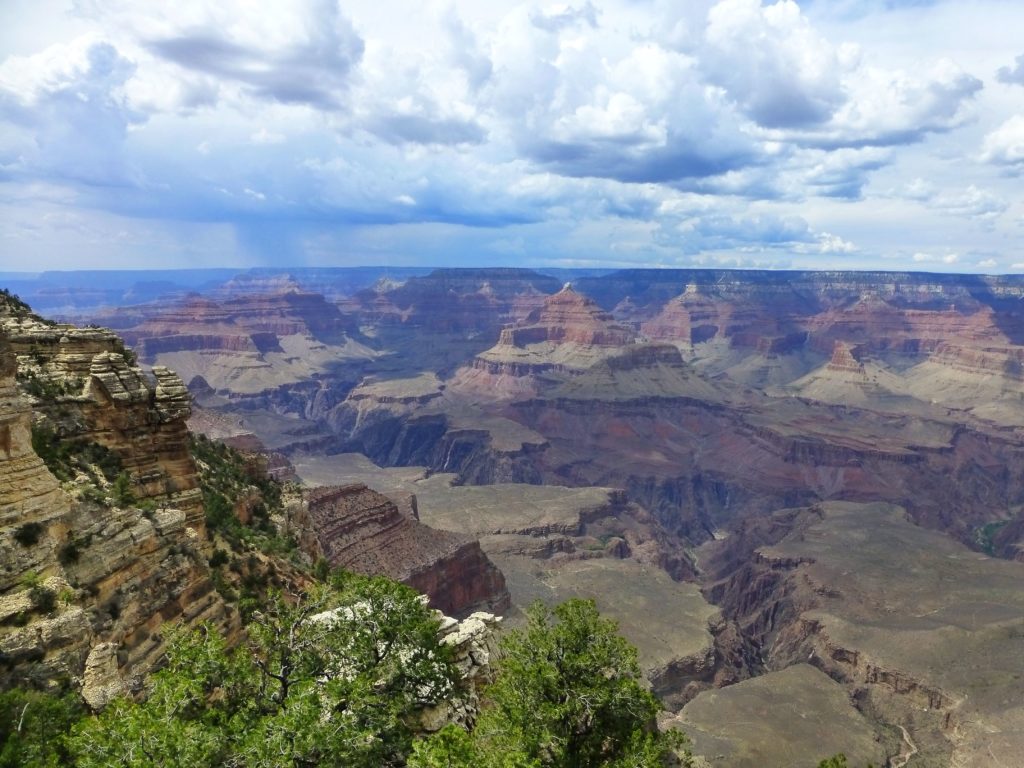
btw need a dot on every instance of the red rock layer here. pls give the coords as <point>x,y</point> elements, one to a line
<point>569,317</point>
<point>843,359</point>
<point>252,323</point>
<point>455,301</point>
<point>882,325</point>
<point>364,531</point>
<point>691,317</point>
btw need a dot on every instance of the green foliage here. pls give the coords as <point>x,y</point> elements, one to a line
<point>837,761</point>
<point>28,534</point>
<point>121,492</point>
<point>12,304</point>
<point>44,600</point>
<point>451,747</point>
<point>71,550</point>
<point>302,691</point>
<point>569,694</point>
<point>66,457</point>
<point>226,476</point>
<point>129,355</point>
<point>32,728</point>
<point>218,558</point>
<point>984,536</point>
<point>52,451</point>
<point>321,569</point>
<point>31,579</point>
<point>98,456</point>
<point>45,388</point>
<point>227,479</point>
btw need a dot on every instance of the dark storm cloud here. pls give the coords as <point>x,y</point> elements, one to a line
<point>313,72</point>
<point>679,159</point>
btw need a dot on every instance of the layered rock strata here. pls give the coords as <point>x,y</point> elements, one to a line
<point>84,384</point>
<point>361,530</point>
<point>85,588</point>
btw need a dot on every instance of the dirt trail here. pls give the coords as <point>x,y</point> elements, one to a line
<point>904,757</point>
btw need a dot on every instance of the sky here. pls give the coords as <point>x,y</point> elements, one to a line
<point>824,134</point>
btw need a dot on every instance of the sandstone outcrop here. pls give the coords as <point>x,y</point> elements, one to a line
<point>568,317</point>
<point>844,359</point>
<point>692,317</point>
<point>85,587</point>
<point>569,331</point>
<point>85,386</point>
<point>571,342</point>
<point>361,530</point>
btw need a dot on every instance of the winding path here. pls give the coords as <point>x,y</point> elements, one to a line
<point>904,757</point>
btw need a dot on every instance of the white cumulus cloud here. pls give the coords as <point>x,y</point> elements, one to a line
<point>1005,145</point>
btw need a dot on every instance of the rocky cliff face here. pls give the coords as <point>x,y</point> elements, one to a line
<point>82,386</point>
<point>474,644</point>
<point>697,448</point>
<point>86,585</point>
<point>254,322</point>
<point>361,530</point>
<point>789,388</point>
<point>692,317</point>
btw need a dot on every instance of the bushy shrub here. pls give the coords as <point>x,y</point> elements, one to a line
<point>28,534</point>
<point>33,726</point>
<point>303,691</point>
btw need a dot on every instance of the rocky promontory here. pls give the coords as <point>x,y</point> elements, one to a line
<point>361,530</point>
<point>86,582</point>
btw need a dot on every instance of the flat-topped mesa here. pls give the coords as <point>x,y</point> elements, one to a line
<point>767,324</point>
<point>361,530</point>
<point>882,325</point>
<point>568,334</point>
<point>462,301</point>
<point>252,323</point>
<point>844,358</point>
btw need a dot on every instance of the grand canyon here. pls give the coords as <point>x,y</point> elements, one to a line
<point>799,494</point>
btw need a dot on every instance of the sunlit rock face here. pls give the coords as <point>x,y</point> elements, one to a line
<point>114,575</point>
<point>91,391</point>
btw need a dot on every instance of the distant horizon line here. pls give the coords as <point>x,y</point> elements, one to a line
<point>35,275</point>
